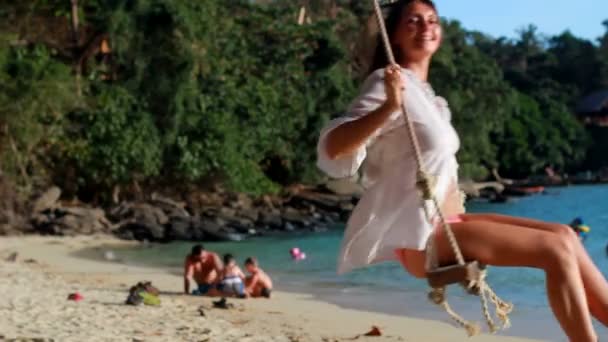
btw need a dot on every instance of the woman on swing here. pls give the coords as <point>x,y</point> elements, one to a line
<point>389,222</point>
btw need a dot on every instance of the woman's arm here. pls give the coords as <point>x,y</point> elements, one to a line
<point>348,137</point>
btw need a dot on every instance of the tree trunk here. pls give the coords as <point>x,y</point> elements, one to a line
<point>302,15</point>
<point>18,160</point>
<point>333,10</point>
<point>76,38</point>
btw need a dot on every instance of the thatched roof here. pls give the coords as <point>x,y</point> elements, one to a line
<point>594,104</point>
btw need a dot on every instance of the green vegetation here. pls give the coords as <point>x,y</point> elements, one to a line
<point>236,91</point>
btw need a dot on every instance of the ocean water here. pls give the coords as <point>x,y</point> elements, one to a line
<point>387,288</point>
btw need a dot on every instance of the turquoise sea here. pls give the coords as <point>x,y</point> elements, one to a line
<point>387,288</point>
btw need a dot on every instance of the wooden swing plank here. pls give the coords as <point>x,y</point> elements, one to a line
<point>454,274</point>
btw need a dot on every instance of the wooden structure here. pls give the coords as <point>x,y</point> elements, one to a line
<point>593,109</point>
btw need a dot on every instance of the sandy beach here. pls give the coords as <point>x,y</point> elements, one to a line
<point>34,305</point>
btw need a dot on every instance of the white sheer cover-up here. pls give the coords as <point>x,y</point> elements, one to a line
<point>390,214</point>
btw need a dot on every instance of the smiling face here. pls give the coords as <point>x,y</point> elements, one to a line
<point>418,34</point>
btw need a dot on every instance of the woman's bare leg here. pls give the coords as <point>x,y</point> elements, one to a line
<point>594,281</point>
<point>500,244</point>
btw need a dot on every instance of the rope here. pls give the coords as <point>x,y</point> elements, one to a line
<point>437,296</point>
<point>503,309</point>
<point>425,184</point>
<point>483,295</point>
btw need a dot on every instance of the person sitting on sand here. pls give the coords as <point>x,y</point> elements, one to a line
<point>232,283</point>
<point>258,283</point>
<point>204,268</point>
<point>389,222</point>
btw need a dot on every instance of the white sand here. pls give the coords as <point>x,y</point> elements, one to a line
<point>33,304</point>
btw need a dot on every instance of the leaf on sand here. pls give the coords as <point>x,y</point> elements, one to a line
<point>374,332</point>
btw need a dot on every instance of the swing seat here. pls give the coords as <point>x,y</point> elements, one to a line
<point>455,274</point>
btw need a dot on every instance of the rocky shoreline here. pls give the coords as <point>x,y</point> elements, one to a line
<point>216,215</point>
<point>204,216</point>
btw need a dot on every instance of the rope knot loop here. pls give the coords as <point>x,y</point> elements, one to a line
<point>425,183</point>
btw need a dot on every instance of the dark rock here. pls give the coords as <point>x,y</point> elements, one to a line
<point>125,234</point>
<point>296,217</point>
<point>149,214</point>
<point>146,221</point>
<point>244,202</point>
<point>219,222</point>
<point>93,218</point>
<point>5,229</point>
<point>47,200</point>
<point>265,201</point>
<point>312,209</point>
<point>210,211</point>
<point>119,212</point>
<point>271,219</point>
<point>227,212</point>
<point>251,214</point>
<point>243,229</point>
<point>82,212</point>
<point>217,216</point>
<point>71,221</point>
<point>142,231</point>
<point>210,199</point>
<point>325,201</point>
<point>242,222</point>
<point>180,228</point>
<point>197,233</point>
<point>8,216</point>
<point>68,225</point>
<point>169,206</point>
<point>207,225</point>
<point>228,217</point>
<point>215,232</point>
<point>141,212</point>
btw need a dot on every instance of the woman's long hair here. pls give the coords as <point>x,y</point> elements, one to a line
<point>392,21</point>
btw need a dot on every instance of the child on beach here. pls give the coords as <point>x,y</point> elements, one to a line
<point>258,283</point>
<point>232,278</point>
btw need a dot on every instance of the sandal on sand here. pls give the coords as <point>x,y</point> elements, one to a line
<point>223,304</point>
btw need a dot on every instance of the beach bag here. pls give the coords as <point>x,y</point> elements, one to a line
<point>143,292</point>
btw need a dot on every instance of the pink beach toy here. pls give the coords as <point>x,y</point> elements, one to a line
<point>297,254</point>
